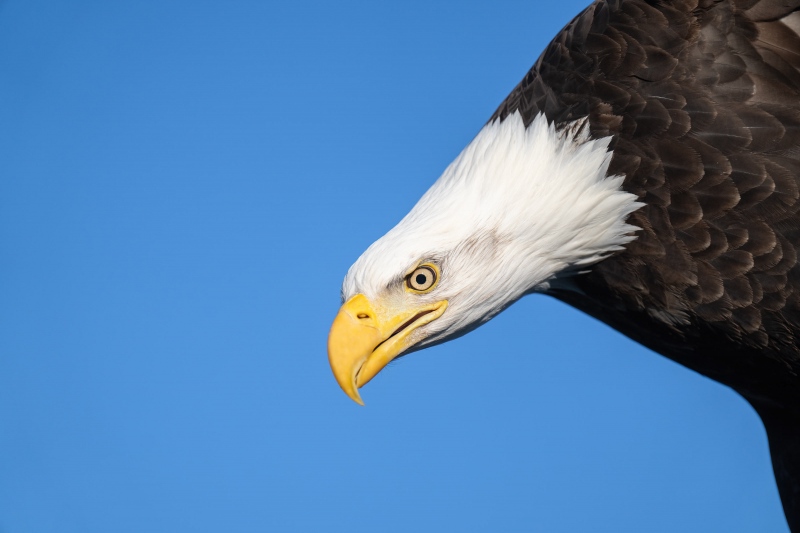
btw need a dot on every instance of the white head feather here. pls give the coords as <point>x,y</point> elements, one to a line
<point>518,207</point>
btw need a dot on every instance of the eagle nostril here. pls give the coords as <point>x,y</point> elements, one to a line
<point>362,316</point>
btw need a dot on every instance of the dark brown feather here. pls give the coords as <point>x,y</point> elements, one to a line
<point>702,101</point>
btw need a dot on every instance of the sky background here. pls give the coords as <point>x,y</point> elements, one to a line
<point>183,186</point>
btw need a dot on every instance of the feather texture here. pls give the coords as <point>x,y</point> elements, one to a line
<point>702,100</point>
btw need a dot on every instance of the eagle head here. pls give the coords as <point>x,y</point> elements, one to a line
<point>518,209</point>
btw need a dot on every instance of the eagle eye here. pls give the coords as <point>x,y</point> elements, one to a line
<point>423,279</point>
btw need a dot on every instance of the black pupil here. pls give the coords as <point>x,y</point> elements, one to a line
<point>421,279</point>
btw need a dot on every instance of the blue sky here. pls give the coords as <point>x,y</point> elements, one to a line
<point>183,186</point>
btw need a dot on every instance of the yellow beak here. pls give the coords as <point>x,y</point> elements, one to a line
<point>364,339</point>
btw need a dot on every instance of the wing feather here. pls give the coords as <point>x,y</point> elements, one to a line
<point>702,101</point>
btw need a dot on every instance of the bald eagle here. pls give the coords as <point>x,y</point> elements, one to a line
<point>645,171</point>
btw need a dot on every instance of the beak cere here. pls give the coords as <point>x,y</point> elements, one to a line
<point>362,341</point>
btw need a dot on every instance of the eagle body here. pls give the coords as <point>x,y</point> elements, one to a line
<point>645,171</point>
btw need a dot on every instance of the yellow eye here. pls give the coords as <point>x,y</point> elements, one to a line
<point>423,279</point>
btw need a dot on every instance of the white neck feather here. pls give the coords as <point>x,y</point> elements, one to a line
<point>547,190</point>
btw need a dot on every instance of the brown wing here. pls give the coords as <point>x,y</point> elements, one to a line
<point>702,99</point>
<point>703,103</point>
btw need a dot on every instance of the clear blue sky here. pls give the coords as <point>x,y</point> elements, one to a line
<point>183,186</point>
